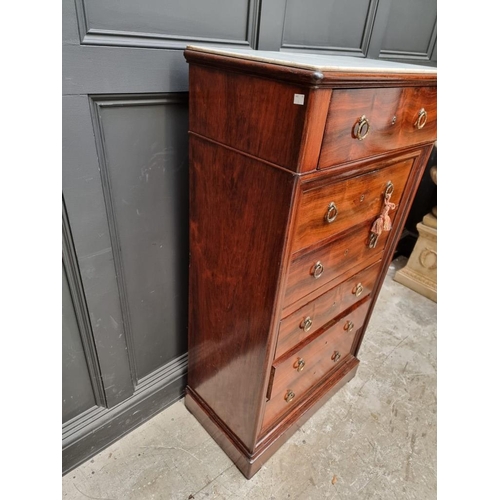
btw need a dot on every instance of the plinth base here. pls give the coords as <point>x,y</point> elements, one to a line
<point>420,273</point>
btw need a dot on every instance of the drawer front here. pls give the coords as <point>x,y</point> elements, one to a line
<point>334,259</point>
<point>299,372</point>
<point>414,100</point>
<point>391,120</point>
<point>334,207</point>
<point>308,319</point>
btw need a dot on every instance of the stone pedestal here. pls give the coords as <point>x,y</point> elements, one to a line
<point>420,273</point>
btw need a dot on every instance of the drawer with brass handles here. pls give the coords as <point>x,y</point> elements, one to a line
<point>311,271</point>
<point>293,375</point>
<point>367,122</point>
<point>331,206</point>
<point>305,321</point>
<point>302,171</point>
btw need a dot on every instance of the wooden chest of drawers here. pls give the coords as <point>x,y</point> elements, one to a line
<point>302,171</point>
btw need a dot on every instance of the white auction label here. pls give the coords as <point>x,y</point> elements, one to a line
<point>298,99</point>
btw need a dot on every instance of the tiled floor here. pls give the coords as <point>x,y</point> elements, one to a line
<point>375,439</point>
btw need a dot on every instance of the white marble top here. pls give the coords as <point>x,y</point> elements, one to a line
<point>317,62</point>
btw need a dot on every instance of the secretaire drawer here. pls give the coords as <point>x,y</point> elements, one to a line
<point>366,122</point>
<point>419,115</point>
<point>334,206</point>
<point>294,375</point>
<point>314,269</point>
<point>308,319</point>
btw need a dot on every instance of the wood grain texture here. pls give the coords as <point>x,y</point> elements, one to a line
<point>324,309</point>
<point>356,200</point>
<point>286,74</point>
<point>317,356</point>
<point>336,258</point>
<point>284,428</point>
<point>398,225</point>
<point>413,101</point>
<point>250,114</point>
<point>257,230</point>
<point>270,440</point>
<point>302,301</point>
<point>314,127</point>
<point>380,106</point>
<point>237,240</point>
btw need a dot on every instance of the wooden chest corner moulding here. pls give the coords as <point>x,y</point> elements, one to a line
<point>302,172</point>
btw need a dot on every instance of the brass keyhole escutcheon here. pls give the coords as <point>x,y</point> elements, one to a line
<point>306,324</point>
<point>358,290</point>
<point>318,269</point>
<point>373,240</point>
<point>336,356</point>
<point>331,213</point>
<point>299,364</point>
<point>348,326</point>
<point>383,221</point>
<point>289,395</point>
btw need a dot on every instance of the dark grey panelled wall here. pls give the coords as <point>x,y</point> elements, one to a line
<point>125,172</point>
<point>77,392</point>
<point>342,26</point>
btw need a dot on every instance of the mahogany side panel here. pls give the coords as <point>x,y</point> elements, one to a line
<point>249,113</point>
<point>239,211</point>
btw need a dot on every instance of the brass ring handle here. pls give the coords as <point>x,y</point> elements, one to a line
<point>336,356</point>
<point>357,290</point>
<point>289,395</point>
<point>422,119</point>
<point>331,213</point>
<point>389,189</point>
<point>348,326</point>
<point>299,364</point>
<point>362,129</point>
<point>306,324</point>
<point>318,269</point>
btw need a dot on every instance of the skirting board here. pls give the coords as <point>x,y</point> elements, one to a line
<point>97,428</point>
